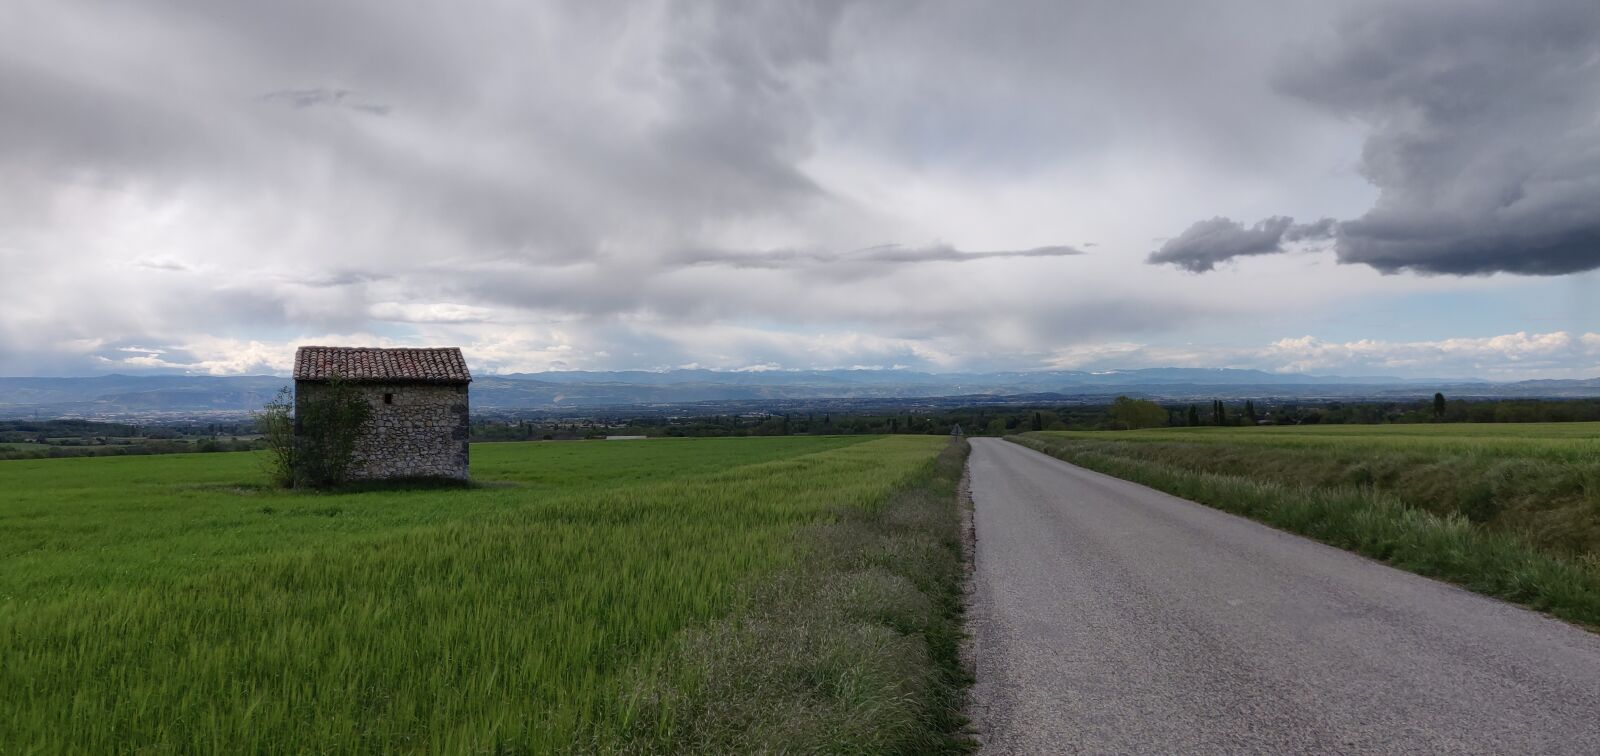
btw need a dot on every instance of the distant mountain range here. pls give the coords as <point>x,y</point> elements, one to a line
<point>125,395</point>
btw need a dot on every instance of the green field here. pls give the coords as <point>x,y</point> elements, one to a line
<point>175,603</point>
<point>1515,439</point>
<point>1512,510</point>
<point>23,446</point>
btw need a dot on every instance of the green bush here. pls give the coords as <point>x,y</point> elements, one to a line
<point>311,439</point>
<point>275,421</point>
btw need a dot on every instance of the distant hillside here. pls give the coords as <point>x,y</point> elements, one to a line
<point>128,394</point>
<point>1053,378</point>
<point>115,395</point>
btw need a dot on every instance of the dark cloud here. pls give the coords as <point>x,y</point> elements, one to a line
<point>160,263</point>
<point>886,254</point>
<point>336,279</point>
<point>944,253</point>
<point>333,98</point>
<point>1317,231</point>
<point>1201,246</point>
<point>1483,139</point>
<point>1485,143</point>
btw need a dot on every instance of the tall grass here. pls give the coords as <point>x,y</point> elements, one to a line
<point>175,604</point>
<point>1539,482</point>
<point>854,649</point>
<point>1405,499</point>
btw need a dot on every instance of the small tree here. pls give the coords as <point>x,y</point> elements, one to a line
<point>1221,413</point>
<point>331,419</point>
<point>1038,421</point>
<point>1137,413</point>
<point>1250,412</point>
<point>1438,406</point>
<point>1194,416</point>
<point>276,423</point>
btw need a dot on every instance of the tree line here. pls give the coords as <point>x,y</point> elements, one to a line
<point>64,438</point>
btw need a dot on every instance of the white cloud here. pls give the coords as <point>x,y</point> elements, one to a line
<point>428,312</point>
<point>1507,356</point>
<point>1512,356</point>
<point>498,349</point>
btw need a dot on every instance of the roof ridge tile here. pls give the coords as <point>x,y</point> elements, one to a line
<point>387,364</point>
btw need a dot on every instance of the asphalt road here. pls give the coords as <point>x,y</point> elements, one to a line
<point>1111,618</point>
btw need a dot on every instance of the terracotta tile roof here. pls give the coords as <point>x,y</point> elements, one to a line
<point>362,364</point>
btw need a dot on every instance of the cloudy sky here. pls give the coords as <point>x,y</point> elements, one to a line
<point>1327,187</point>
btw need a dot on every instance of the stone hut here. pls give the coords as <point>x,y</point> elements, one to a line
<point>418,426</point>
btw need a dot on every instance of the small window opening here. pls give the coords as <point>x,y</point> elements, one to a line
<point>388,398</point>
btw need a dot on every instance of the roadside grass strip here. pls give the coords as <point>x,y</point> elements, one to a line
<point>1362,519</point>
<point>852,649</point>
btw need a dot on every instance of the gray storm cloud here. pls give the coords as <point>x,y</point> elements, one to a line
<point>1484,139</point>
<point>335,98</point>
<point>1201,246</point>
<point>869,257</point>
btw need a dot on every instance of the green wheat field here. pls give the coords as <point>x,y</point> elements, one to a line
<point>174,603</point>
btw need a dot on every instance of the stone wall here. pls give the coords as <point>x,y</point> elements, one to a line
<point>421,433</point>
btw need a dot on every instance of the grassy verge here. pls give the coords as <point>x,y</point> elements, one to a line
<point>854,649</point>
<point>1539,481</point>
<point>1362,518</point>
